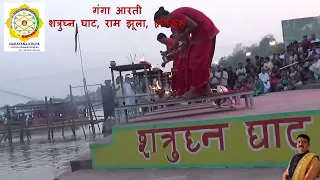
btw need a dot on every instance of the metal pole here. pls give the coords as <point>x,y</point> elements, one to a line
<point>123,99</point>
<point>147,85</point>
<point>85,86</point>
<point>51,119</point>
<point>89,106</point>
<point>121,85</point>
<point>9,123</point>
<point>159,79</point>
<point>135,92</point>
<point>71,96</point>
<point>88,85</point>
<point>113,82</point>
<point>147,82</point>
<point>47,113</point>
<point>81,61</point>
<point>116,113</point>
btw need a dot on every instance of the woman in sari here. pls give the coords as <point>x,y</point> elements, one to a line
<point>275,77</point>
<point>180,64</point>
<point>183,22</point>
<point>176,75</point>
<point>257,86</point>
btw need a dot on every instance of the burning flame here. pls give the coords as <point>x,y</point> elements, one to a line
<point>156,86</point>
<point>152,87</point>
<point>168,92</point>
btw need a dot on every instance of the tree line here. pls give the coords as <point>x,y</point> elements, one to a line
<point>262,49</point>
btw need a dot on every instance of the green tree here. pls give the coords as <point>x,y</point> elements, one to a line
<point>262,49</point>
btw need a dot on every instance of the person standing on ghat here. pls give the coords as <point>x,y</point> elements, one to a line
<point>176,75</point>
<point>180,64</point>
<point>203,40</point>
<point>304,165</point>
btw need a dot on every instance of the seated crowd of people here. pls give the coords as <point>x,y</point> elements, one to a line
<point>283,71</point>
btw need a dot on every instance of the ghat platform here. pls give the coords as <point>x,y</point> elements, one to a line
<point>203,137</point>
<point>175,174</point>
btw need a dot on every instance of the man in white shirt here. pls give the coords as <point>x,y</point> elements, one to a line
<point>128,91</point>
<point>268,65</point>
<point>315,67</point>
<point>314,39</point>
<point>222,76</point>
<point>213,79</point>
<point>264,77</point>
<point>118,90</point>
<point>241,72</point>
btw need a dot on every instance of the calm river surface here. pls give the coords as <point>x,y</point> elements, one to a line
<point>40,159</point>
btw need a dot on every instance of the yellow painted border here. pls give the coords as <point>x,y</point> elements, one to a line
<point>189,123</point>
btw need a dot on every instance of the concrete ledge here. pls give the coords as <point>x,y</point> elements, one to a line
<point>76,165</point>
<point>174,174</point>
<point>80,165</point>
<point>308,86</point>
<point>312,82</point>
<point>107,126</point>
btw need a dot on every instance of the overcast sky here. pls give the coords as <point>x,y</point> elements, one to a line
<point>49,73</point>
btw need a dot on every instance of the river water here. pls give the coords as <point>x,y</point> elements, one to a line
<point>39,159</point>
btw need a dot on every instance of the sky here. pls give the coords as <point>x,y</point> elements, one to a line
<point>51,72</point>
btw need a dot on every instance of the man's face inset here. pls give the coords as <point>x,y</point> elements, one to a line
<point>302,145</point>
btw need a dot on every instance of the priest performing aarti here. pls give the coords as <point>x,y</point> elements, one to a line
<point>180,64</point>
<point>202,44</point>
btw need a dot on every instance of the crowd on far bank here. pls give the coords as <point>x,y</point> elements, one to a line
<point>296,64</point>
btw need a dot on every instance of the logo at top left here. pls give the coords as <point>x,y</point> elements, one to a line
<point>24,23</point>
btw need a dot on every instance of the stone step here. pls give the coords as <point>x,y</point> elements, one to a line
<point>311,82</point>
<point>309,86</point>
<point>80,165</point>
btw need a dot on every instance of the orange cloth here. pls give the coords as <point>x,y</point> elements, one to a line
<point>309,170</point>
